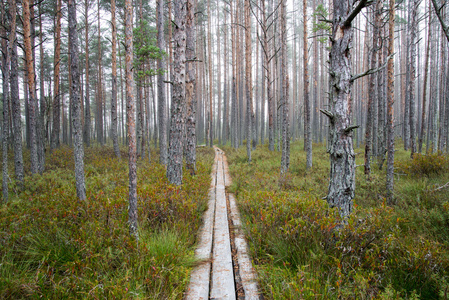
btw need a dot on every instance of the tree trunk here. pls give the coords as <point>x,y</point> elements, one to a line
<point>411,83</point>
<point>248,78</point>
<point>209,63</point>
<point>41,115</point>
<point>177,124</point>
<point>190,88</point>
<point>56,88</point>
<point>381,98</point>
<point>99,114</point>
<point>390,103</point>
<point>87,117</point>
<point>307,110</point>
<point>219,132</point>
<point>5,97</point>
<point>424,95</point>
<point>372,97</point>
<point>267,61</point>
<point>342,157</point>
<point>78,150</point>
<point>131,106</point>
<point>14,96</point>
<point>161,65</point>
<point>31,86</point>
<point>114,83</point>
<point>285,158</point>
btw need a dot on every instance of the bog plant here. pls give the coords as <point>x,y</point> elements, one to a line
<point>52,246</point>
<point>303,250</point>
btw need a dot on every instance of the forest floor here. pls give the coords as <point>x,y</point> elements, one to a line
<point>394,250</point>
<point>54,247</point>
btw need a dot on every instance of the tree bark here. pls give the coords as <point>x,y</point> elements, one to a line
<point>5,98</point>
<point>190,88</point>
<point>15,100</point>
<point>412,75</point>
<point>31,86</point>
<point>99,108</point>
<point>372,96</point>
<point>248,78</point>
<point>177,125</point>
<point>161,65</point>
<point>87,117</point>
<point>41,115</point>
<point>209,59</point>
<point>131,106</point>
<point>307,110</point>
<point>114,83</point>
<point>78,150</point>
<point>390,103</point>
<point>342,157</point>
<point>285,158</point>
<point>56,88</point>
<point>424,97</point>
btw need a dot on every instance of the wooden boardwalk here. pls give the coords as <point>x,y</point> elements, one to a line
<point>225,271</point>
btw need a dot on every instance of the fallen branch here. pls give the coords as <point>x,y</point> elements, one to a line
<point>440,187</point>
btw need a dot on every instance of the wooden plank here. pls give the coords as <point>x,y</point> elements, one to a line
<point>223,285</point>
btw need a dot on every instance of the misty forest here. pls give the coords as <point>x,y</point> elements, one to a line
<point>314,133</point>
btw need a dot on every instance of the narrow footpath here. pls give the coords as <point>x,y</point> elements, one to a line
<point>225,270</point>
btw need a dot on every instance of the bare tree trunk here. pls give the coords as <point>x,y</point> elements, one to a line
<point>114,83</point>
<point>41,115</point>
<point>14,96</point>
<point>190,88</point>
<point>372,96</point>
<point>78,150</point>
<point>248,78</point>
<point>381,99</point>
<point>307,110</point>
<point>267,61</point>
<point>285,158</point>
<point>209,59</point>
<point>87,118</point>
<point>411,83</point>
<point>424,97</point>
<point>161,65</point>
<point>177,125</point>
<point>234,126</point>
<point>342,157</point>
<point>31,86</point>
<point>390,103</point>
<point>226,87</point>
<point>219,126</point>
<point>131,106</point>
<point>5,98</point>
<point>99,116</point>
<point>56,88</point>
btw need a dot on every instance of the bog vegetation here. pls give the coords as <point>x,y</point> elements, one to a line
<point>53,246</point>
<point>301,250</point>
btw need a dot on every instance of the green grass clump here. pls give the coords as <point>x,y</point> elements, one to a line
<point>52,246</point>
<point>301,250</point>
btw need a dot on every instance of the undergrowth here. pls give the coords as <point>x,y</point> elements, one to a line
<point>52,246</point>
<point>301,250</point>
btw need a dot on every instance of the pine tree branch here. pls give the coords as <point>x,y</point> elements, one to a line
<point>440,17</point>
<point>354,13</point>
<point>371,71</point>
